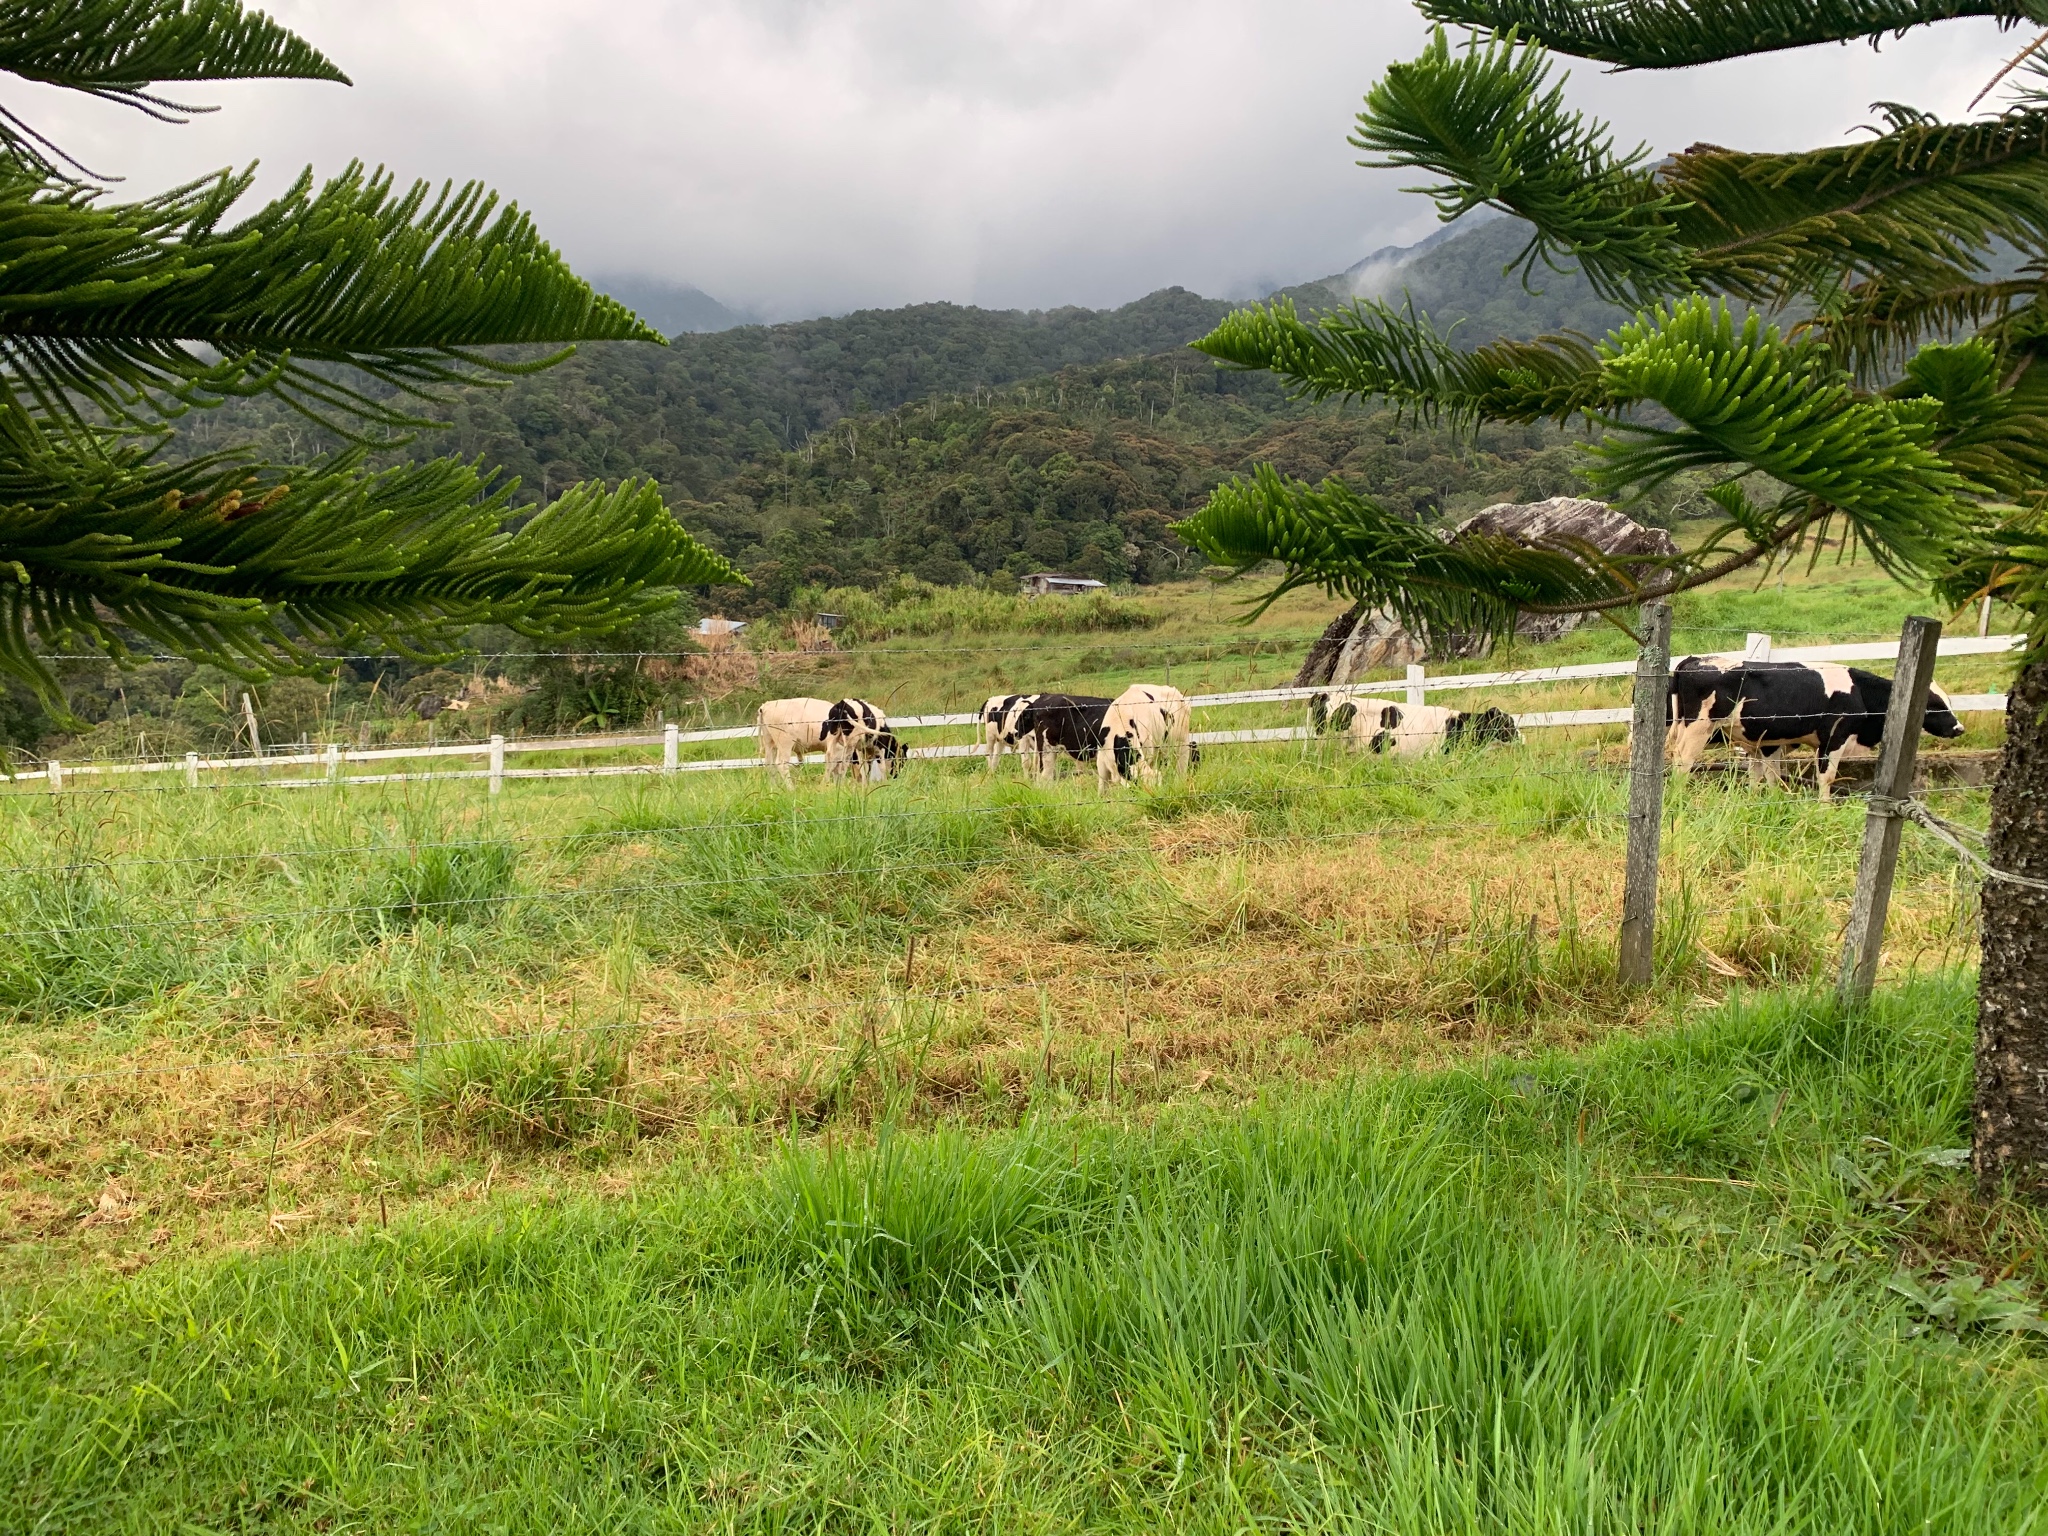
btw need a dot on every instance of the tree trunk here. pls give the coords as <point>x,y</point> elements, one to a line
<point>2011,1135</point>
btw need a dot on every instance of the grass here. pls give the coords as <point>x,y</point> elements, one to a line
<point>1272,1150</point>
<point>374,995</point>
<point>1638,1288</point>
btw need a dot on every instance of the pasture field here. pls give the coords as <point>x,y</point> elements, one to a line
<point>1272,1149</point>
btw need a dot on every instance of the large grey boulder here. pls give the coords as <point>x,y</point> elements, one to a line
<point>1358,642</point>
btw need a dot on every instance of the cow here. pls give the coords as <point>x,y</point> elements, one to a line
<point>1411,730</point>
<point>850,732</point>
<point>858,739</point>
<point>1061,722</point>
<point>1144,724</point>
<point>999,724</point>
<point>1767,706</point>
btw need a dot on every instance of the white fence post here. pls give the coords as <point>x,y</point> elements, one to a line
<point>669,733</point>
<point>56,776</point>
<point>1646,797</point>
<point>191,770</point>
<point>333,761</point>
<point>497,764</point>
<point>1415,691</point>
<point>1863,939</point>
<point>1758,649</point>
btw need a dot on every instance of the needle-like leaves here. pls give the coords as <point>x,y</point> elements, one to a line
<point>256,566</point>
<point>105,303</point>
<point>117,49</point>
<point>1329,536</point>
<point>1371,350</point>
<point>1669,34</point>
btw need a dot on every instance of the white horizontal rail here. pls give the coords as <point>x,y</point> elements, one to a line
<point>1976,703</point>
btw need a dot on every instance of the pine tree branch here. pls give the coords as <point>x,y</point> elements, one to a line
<point>1671,34</point>
<point>1369,350</point>
<point>1487,118</point>
<point>258,567</point>
<point>104,303</point>
<point>117,49</point>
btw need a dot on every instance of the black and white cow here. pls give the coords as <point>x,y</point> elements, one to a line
<point>999,725</point>
<point>1410,730</point>
<point>1765,707</point>
<point>858,740</point>
<point>1062,722</point>
<point>1145,725</point>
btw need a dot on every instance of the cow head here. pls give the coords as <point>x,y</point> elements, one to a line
<point>1126,750</point>
<point>893,751</point>
<point>1940,720</point>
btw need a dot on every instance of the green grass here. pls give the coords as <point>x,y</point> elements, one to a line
<point>1641,1289</point>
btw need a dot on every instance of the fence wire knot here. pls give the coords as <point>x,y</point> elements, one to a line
<point>1950,833</point>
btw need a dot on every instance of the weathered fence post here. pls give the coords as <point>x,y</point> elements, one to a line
<point>1758,648</point>
<point>1863,940</point>
<point>191,770</point>
<point>669,733</point>
<point>333,761</point>
<point>1645,797</point>
<point>497,764</point>
<point>56,775</point>
<point>1415,689</point>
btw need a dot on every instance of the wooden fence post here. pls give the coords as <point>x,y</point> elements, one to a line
<point>669,733</point>
<point>191,770</point>
<point>56,770</point>
<point>1863,940</point>
<point>1646,797</point>
<point>497,764</point>
<point>1415,690</point>
<point>333,762</point>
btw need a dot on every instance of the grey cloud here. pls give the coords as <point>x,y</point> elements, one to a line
<point>801,156</point>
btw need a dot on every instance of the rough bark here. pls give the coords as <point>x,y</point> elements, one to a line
<point>2011,1131</point>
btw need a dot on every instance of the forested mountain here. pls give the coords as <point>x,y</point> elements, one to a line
<point>745,428</point>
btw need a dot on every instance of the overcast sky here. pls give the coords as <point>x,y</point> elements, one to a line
<point>799,157</point>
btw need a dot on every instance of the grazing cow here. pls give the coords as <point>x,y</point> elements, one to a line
<point>850,732</point>
<point>790,730</point>
<point>1144,724</point>
<point>1411,730</point>
<point>858,739</point>
<point>1061,722</point>
<point>999,724</point>
<point>1769,706</point>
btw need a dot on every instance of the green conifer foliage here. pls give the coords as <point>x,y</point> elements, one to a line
<point>351,301</point>
<point>1907,408</point>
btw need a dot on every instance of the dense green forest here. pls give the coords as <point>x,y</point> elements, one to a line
<point>940,442</point>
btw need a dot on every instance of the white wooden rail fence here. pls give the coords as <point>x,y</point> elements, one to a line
<point>1412,688</point>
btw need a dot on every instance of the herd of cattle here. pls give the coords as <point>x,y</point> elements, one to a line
<point>1763,707</point>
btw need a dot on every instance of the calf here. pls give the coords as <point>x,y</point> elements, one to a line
<point>1768,706</point>
<point>1410,730</point>
<point>1061,722</point>
<point>1143,724</point>
<point>999,718</point>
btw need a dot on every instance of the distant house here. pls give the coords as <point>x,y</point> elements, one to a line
<point>1050,583</point>
<point>719,626</point>
<point>829,620</point>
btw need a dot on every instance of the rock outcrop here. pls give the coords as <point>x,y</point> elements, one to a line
<point>1358,642</point>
